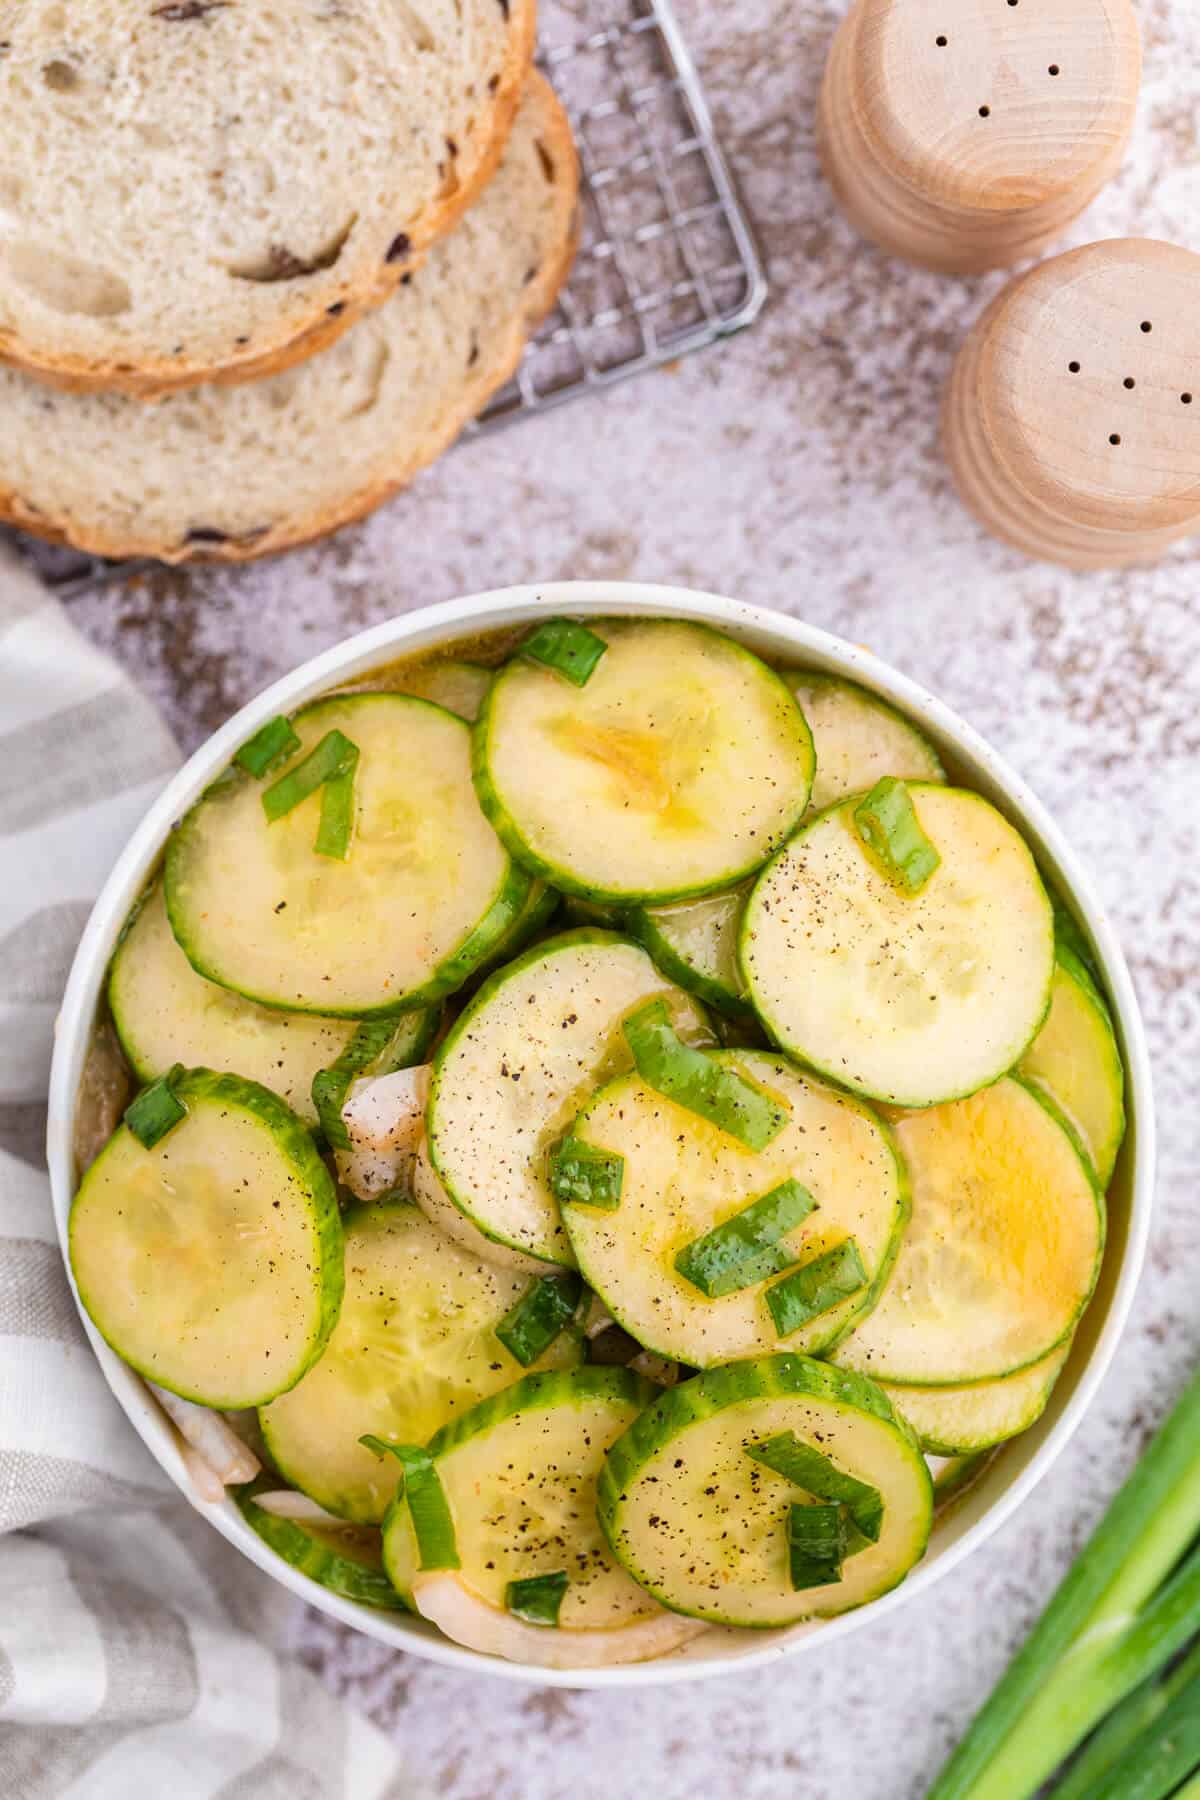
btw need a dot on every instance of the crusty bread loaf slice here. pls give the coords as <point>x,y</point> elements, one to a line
<point>237,471</point>
<point>213,188</point>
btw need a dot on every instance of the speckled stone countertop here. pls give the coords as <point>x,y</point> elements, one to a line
<point>798,466</point>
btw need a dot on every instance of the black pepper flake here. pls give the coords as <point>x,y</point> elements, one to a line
<point>399,247</point>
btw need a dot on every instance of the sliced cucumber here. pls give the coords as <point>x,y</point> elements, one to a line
<point>1075,1059</point>
<point>414,1346</point>
<point>438,1207</point>
<point>695,943</point>
<point>679,767</point>
<point>519,1473</point>
<point>346,1559</point>
<point>913,999</point>
<point>518,1064</point>
<point>959,1421</point>
<point>212,1263</point>
<point>858,738</point>
<point>461,687</point>
<point>425,894</point>
<point>703,1525</point>
<point>540,905</point>
<point>1002,1251</point>
<point>684,1177</point>
<point>165,1014</point>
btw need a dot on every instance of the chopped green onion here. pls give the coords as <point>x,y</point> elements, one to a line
<point>548,1304</point>
<point>156,1110</point>
<point>334,755</point>
<point>337,816</point>
<point>710,1089</point>
<point>816,1286</point>
<point>330,1086</point>
<point>888,825</point>
<point>585,1176</point>
<point>538,1598</point>
<point>568,649</point>
<point>1125,1609</point>
<point>428,1508</point>
<point>746,1248</point>
<point>273,744</point>
<point>816,1545</point>
<point>810,1469</point>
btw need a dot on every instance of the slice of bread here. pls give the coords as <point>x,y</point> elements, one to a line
<point>233,472</point>
<point>212,188</point>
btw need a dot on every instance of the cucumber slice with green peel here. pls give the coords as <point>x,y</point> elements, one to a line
<point>461,687</point>
<point>680,767</point>
<point>695,943</point>
<point>960,1421</point>
<point>703,1524</point>
<point>912,999</point>
<point>164,1013</point>
<point>579,912</point>
<point>346,1559</point>
<point>415,1345</point>
<point>1003,1249</point>
<point>436,1204</point>
<point>519,1473</point>
<point>540,905</point>
<point>1075,1059</point>
<point>212,1263</point>
<point>425,894</point>
<point>858,739</point>
<point>517,1065</point>
<point>685,1180</point>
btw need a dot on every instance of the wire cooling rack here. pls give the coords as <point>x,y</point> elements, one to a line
<point>667,261</point>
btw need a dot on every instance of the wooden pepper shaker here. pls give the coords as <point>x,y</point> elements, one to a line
<point>1072,421</point>
<point>967,134</point>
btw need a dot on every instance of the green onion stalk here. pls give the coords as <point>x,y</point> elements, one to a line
<point>1113,1654</point>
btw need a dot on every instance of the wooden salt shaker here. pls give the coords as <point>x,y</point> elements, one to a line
<point>1072,421</point>
<point>967,134</point>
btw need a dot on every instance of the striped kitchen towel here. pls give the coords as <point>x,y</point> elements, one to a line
<point>139,1654</point>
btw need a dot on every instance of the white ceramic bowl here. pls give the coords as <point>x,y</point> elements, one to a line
<point>1023,1465</point>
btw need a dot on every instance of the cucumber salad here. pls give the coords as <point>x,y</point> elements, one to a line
<point>615,1139</point>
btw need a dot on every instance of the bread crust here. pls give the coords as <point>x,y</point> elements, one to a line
<point>291,534</point>
<point>358,293</point>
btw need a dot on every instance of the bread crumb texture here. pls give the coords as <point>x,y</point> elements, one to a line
<point>238,470</point>
<point>188,186</point>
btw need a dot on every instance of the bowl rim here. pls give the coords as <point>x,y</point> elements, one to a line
<point>781,636</point>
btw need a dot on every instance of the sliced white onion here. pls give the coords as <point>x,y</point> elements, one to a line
<point>286,1503</point>
<point>598,1317</point>
<point>211,1441</point>
<point>655,1368</point>
<point>445,1600</point>
<point>203,1477</point>
<point>385,1118</point>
